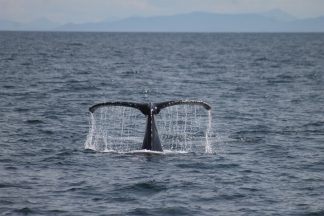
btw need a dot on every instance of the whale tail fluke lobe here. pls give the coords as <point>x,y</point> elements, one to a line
<point>151,138</point>
<point>140,106</point>
<point>162,105</point>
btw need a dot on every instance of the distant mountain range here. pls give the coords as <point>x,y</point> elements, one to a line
<point>270,21</point>
<point>39,24</point>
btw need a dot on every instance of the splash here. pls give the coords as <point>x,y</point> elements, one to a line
<point>185,128</point>
<point>118,129</point>
<point>208,147</point>
<point>182,129</point>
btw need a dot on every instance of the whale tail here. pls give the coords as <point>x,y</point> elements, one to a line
<point>151,139</point>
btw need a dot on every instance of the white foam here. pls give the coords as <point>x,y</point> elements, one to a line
<point>145,151</point>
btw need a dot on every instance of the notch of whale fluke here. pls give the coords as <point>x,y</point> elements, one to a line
<point>151,138</point>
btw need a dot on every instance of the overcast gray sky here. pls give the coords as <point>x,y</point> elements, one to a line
<point>95,10</point>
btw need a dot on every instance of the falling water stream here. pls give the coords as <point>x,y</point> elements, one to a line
<point>182,128</point>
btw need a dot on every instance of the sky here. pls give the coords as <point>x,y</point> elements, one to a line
<point>79,11</point>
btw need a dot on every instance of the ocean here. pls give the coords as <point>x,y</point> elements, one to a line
<point>267,96</point>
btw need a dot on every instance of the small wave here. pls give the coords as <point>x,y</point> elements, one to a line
<point>314,213</point>
<point>282,79</point>
<point>250,189</point>
<point>67,152</point>
<point>196,165</point>
<point>26,63</point>
<point>48,132</point>
<point>75,44</point>
<point>25,211</point>
<point>248,138</point>
<point>10,185</point>
<point>11,168</point>
<point>9,86</point>
<point>9,59</point>
<point>34,121</point>
<point>78,183</point>
<point>233,196</point>
<point>261,59</point>
<point>6,160</point>
<point>285,77</point>
<point>6,202</point>
<point>150,185</point>
<point>314,124</point>
<point>57,211</point>
<point>144,187</point>
<point>20,109</point>
<point>162,211</point>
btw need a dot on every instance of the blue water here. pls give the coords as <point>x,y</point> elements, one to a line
<point>267,94</point>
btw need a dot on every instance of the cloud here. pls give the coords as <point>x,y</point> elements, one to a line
<point>71,10</point>
<point>94,10</point>
<point>299,8</point>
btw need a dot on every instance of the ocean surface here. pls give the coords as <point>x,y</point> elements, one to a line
<point>267,98</point>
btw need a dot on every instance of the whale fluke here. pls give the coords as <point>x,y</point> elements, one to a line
<point>151,138</point>
<point>173,103</point>
<point>140,106</point>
